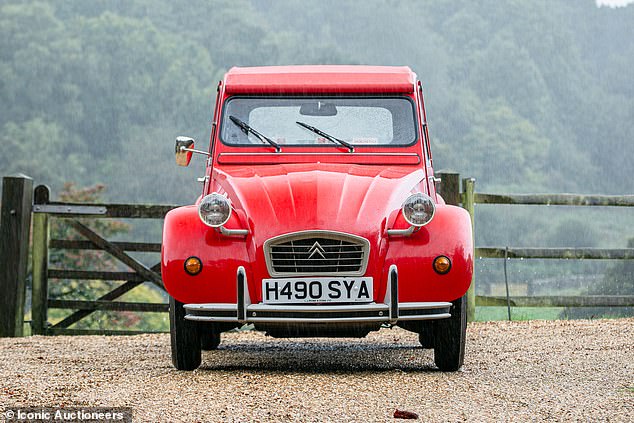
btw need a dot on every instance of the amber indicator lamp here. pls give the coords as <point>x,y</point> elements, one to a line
<point>442,265</point>
<point>193,266</point>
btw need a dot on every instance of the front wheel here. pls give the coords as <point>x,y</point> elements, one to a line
<point>449,337</point>
<point>185,338</point>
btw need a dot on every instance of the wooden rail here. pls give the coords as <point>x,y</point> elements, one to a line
<point>558,301</point>
<point>106,305</point>
<point>108,332</point>
<point>127,211</point>
<point>556,253</point>
<point>67,244</point>
<point>556,199</point>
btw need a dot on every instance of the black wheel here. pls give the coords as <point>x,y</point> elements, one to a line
<point>209,338</point>
<point>449,337</point>
<point>185,338</point>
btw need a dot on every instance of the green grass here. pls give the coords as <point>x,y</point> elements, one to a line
<point>484,314</point>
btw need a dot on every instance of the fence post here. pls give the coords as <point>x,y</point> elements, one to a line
<point>450,187</point>
<point>15,223</point>
<point>468,203</point>
<point>39,296</point>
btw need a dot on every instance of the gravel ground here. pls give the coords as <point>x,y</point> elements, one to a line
<point>514,371</point>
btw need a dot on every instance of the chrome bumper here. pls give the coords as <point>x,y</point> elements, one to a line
<point>390,311</point>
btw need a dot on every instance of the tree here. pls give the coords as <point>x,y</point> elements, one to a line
<point>134,75</point>
<point>37,148</point>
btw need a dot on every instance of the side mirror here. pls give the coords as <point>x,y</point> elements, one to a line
<point>184,147</point>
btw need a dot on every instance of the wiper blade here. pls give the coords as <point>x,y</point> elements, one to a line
<point>329,137</point>
<point>246,129</point>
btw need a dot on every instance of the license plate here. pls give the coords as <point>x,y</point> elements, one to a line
<point>317,290</point>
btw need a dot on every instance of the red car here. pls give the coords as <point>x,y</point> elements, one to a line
<point>318,217</point>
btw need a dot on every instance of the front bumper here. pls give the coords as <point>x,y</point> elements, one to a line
<point>390,311</point>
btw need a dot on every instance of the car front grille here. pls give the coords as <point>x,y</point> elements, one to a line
<point>317,253</point>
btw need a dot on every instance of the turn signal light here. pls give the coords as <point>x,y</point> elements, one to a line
<point>193,266</point>
<point>442,265</point>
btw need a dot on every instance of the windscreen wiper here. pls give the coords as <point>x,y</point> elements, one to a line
<point>327,136</point>
<point>246,129</point>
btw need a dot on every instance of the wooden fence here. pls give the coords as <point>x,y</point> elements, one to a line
<point>468,198</point>
<point>25,210</point>
<point>35,206</point>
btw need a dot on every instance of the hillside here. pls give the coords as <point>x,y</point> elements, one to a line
<point>524,96</point>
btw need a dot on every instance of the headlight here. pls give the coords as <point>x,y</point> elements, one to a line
<point>418,209</point>
<point>214,210</point>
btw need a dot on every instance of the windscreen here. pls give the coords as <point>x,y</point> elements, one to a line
<point>357,121</point>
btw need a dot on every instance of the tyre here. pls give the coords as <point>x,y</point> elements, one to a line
<point>209,338</point>
<point>449,337</point>
<point>185,338</point>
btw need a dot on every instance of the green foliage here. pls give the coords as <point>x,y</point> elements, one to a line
<point>513,96</point>
<point>141,76</point>
<point>77,87</point>
<point>36,147</point>
<point>512,144</point>
<point>574,233</point>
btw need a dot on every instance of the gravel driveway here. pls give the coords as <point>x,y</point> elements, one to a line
<point>519,371</point>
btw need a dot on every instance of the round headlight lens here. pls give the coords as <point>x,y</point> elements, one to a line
<point>214,210</point>
<point>418,209</point>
